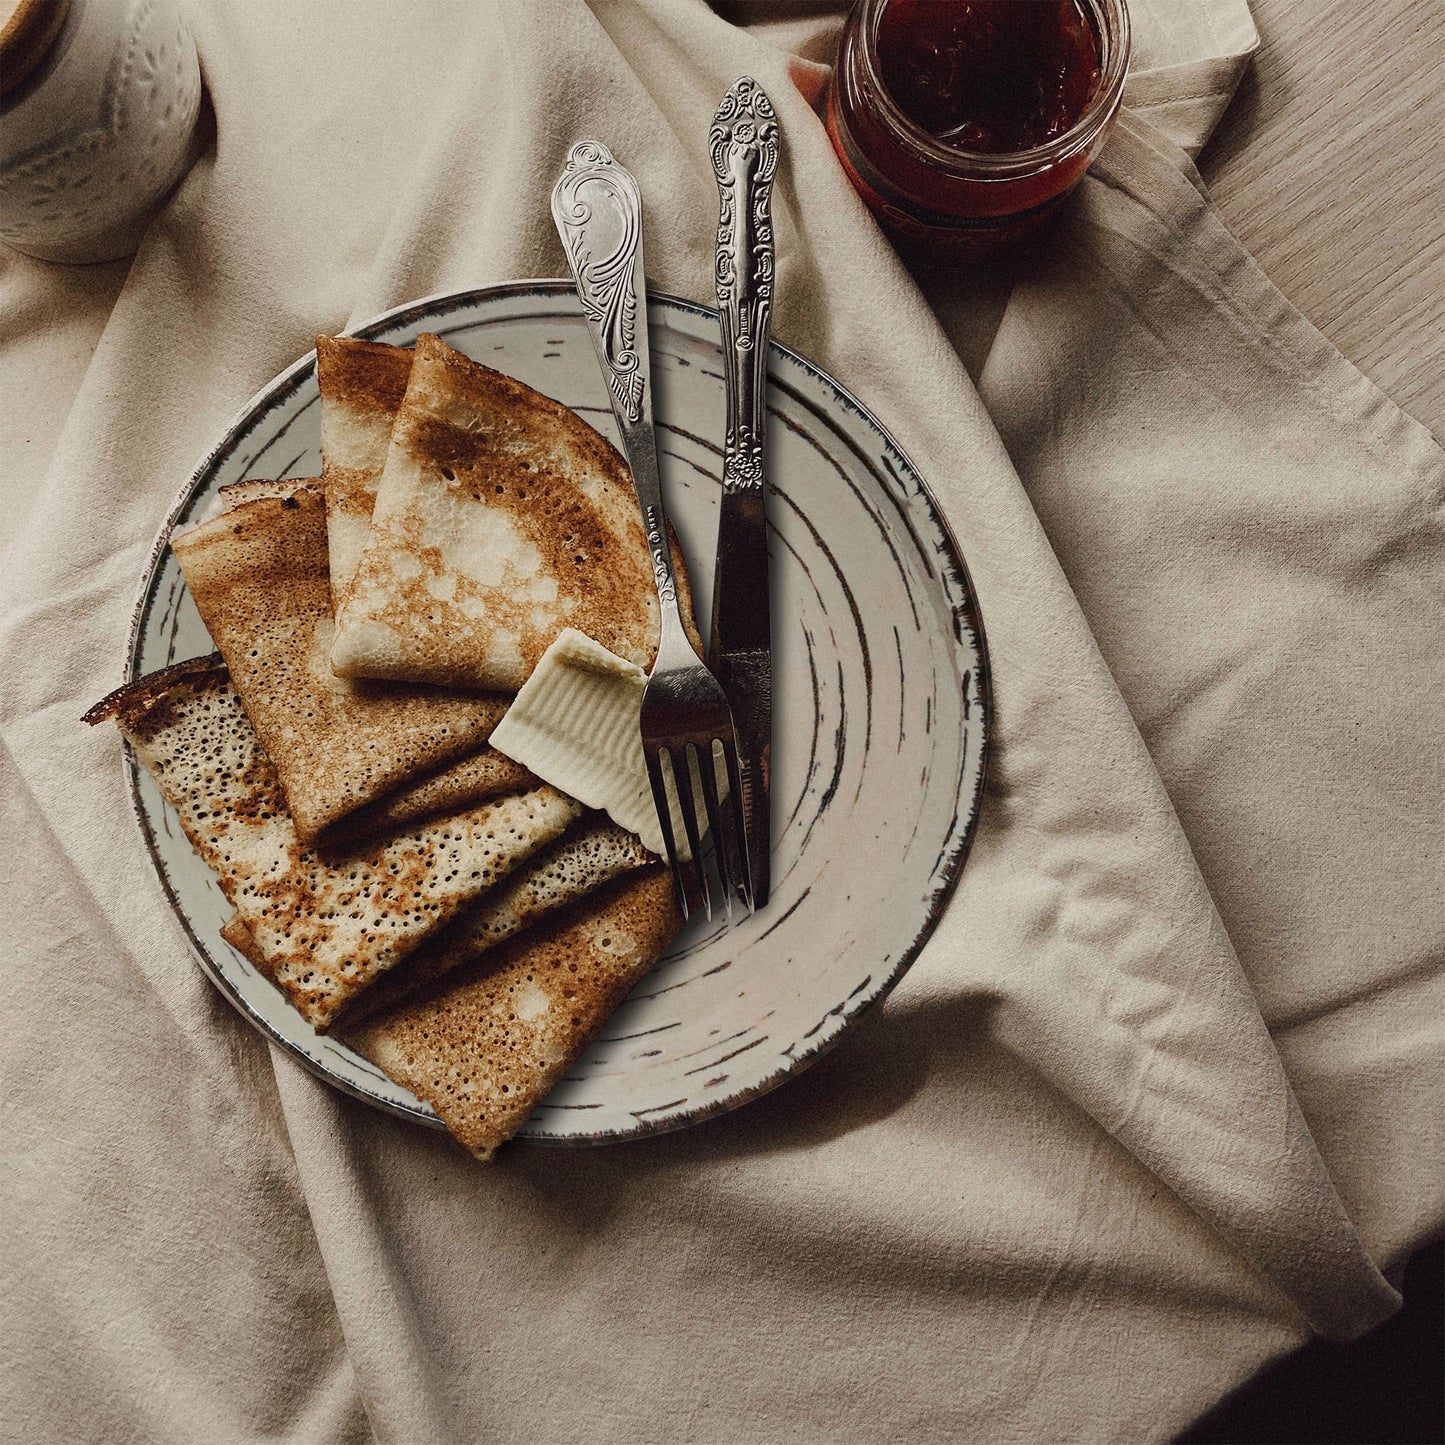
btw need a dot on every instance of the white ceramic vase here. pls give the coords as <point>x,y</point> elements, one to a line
<point>96,138</point>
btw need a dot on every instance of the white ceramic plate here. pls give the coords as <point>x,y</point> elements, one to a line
<point>880,715</point>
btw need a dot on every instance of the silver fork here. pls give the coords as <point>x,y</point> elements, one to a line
<point>686,721</point>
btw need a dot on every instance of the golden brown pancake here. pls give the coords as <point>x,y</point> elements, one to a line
<point>258,575</point>
<point>486,1045</point>
<point>501,518</point>
<point>590,855</point>
<point>326,924</point>
<point>362,384</point>
<point>475,778</point>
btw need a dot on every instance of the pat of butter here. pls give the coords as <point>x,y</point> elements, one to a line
<point>576,723</point>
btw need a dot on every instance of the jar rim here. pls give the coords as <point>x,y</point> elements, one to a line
<point>1111,19</point>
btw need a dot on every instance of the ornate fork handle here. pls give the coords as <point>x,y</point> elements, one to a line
<point>744,145</point>
<point>597,206</point>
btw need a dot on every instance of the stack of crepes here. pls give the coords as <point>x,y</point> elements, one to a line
<point>462,923</point>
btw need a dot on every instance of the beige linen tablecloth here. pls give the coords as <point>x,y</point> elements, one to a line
<point>1161,1095</point>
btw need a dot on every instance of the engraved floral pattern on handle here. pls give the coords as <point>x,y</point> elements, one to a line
<point>655,525</point>
<point>597,207</point>
<point>744,146</point>
<point>604,281</point>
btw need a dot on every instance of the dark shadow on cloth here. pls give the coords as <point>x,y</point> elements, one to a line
<point>1386,1388</point>
<point>882,1061</point>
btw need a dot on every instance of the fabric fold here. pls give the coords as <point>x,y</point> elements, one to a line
<point>1308,695</point>
<point>1064,1183</point>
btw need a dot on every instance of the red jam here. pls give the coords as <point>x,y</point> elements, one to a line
<point>989,75</point>
<point>963,123</point>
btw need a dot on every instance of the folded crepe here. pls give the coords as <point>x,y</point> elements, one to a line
<point>259,576</point>
<point>500,518</point>
<point>474,779</point>
<point>592,854</point>
<point>589,856</point>
<point>487,1044</point>
<point>362,384</point>
<point>326,924</point>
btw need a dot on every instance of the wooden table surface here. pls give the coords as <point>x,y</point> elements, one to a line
<point>1330,167</point>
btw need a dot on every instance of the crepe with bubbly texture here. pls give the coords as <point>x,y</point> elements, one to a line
<point>501,518</point>
<point>476,778</point>
<point>258,576</point>
<point>487,1044</point>
<point>588,857</point>
<point>362,384</point>
<point>592,854</point>
<point>327,923</point>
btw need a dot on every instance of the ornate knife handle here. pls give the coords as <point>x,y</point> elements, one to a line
<point>597,206</point>
<point>744,145</point>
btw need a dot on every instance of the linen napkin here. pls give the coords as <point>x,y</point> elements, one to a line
<point>1061,1185</point>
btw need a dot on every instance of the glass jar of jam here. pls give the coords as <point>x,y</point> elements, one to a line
<point>963,123</point>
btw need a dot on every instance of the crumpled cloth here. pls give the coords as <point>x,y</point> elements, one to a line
<point>1160,1097</point>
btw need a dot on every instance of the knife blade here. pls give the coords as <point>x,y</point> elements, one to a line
<point>743,142</point>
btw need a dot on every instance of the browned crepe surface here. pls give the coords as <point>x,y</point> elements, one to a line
<point>486,1045</point>
<point>362,384</point>
<point>258,574</point>
<point>500,518</point>
<point>326,924</point>
<point>593,853</point>
<point>475,778</point>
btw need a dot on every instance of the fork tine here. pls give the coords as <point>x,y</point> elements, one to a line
<point>687,806</point>
<point>722,849</point>
<point>738,835</point>
<point>653,757</point>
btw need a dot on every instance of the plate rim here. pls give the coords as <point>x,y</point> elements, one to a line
<point>953,856</point>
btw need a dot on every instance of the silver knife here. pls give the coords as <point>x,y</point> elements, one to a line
<point>744,145</point>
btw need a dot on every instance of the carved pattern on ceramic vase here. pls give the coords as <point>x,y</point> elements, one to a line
<point>110,166</point>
